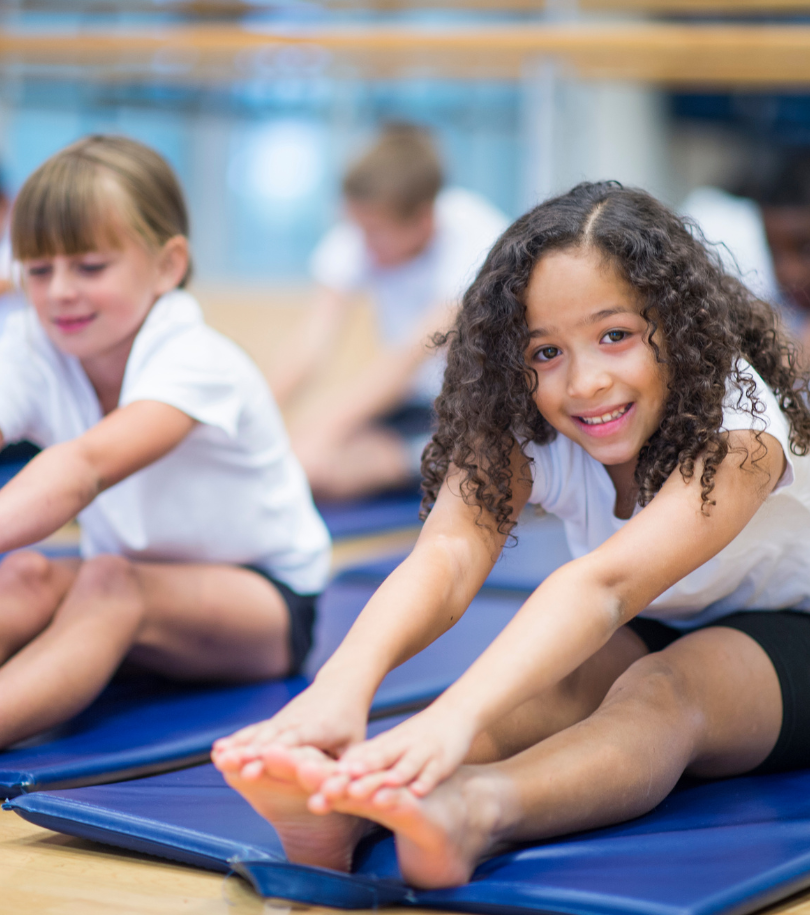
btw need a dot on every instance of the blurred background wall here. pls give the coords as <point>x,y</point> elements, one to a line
<point>259,134</point>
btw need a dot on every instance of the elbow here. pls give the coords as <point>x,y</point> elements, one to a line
<point>606,590</point>
<point>78,465</point>
<point>453,565</point>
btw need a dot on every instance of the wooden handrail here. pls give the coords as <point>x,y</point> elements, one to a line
<point>668,53</point>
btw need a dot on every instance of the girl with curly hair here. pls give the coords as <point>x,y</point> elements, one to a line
<point>604,366</point>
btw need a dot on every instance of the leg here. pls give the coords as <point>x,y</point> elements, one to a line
<point>31,588</point>
<point>187,621</point>
<point>709,705</point>
<point>371,460</point>
<point>570,701</point>
<point>281,792</point>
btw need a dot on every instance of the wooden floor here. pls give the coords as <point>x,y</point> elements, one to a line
<point>49,874</point>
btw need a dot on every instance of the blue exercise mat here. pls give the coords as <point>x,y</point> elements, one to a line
<point>541,548</point>
<point>719,848</point>
<point>144,725</point>
<point>373,515</point>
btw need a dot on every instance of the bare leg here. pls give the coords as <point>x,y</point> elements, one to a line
<point>281,792</point>
<point>182,620</point>
<point>369,461</point>
<point>709,705</point>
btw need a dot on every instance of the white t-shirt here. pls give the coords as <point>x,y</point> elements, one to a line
<point>230,492</point>
<point>765,567</point>
<point>466,228</point>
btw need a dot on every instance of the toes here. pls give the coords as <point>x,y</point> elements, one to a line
<point>252,771</point>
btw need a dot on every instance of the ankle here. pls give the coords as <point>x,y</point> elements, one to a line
<point>491,802</point>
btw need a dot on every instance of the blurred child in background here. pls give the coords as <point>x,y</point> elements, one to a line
<point>414,247</point>
<point>764,232</point>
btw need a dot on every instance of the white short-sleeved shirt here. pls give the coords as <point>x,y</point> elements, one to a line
<point>466,228</point>
<point>231,492</point>
<point>765,567</point>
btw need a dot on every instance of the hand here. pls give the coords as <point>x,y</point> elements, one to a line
<point>419,753</point>
<point>321,717</point>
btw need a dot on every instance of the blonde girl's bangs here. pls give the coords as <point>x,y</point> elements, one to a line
<point>64,209</point>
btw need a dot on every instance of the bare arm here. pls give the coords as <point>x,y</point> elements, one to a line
<point>380,386</point>
<point>60,481</point>
<point>428,593</point>
<point>309,344</point>
<point>577,609</point>
<point>419,601</point>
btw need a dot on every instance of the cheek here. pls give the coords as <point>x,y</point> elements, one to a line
<point>547,398</point>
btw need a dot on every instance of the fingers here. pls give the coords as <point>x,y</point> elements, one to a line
<point>434,771</point>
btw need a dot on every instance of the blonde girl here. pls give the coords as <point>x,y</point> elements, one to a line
<point>201,551</point>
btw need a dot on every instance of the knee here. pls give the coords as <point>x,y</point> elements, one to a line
<point>655,683</point>
<point>26,570</point>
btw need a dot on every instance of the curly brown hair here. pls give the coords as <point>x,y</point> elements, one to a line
<point>704,318</point>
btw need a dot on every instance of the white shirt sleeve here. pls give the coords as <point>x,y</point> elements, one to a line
<point>195,370</point>
<point>738,415</point>
<point>340,261</point>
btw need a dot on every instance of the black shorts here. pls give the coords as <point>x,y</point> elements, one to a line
<point>784,635</point>
<point>301,608</point>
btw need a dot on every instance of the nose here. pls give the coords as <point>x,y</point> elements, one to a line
<point>62,286</point>
<point>587,378</point>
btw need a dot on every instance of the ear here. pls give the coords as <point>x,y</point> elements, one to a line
<point>172,264</point>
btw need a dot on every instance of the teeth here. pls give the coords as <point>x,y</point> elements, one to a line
<point>604,418</point>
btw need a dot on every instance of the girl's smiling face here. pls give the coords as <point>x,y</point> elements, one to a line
<point>598,381</point>
<point>93,304</point>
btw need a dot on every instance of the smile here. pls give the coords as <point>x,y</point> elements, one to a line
<point>608,423</point>
<point>73,325</point>
<point>605,417</point>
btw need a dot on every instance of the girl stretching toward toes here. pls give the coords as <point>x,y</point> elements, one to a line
<point>605,367</point>
<point>201,548</point>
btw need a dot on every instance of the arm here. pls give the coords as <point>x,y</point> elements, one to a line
<point>379,387</point>
<point>573,613</point>
<point>418,602</point>
<point>427,593</point>
<point>309,344</point>
<point>60,481</point>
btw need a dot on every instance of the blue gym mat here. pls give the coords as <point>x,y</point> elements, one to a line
<point>361,517</point>
<point>714,848</point>
<point>541,548</point>
<point>144,725</point>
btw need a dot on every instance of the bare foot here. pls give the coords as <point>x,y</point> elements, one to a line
<point>280,795</point>
<point>442,837</point>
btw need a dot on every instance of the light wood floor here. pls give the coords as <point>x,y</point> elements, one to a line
<point>49,874</point>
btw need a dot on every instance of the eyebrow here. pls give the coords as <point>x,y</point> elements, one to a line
<point>595,318</point>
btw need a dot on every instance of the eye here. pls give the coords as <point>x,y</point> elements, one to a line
<point>616,336</point>
<point>38,269</point>
<point>547,353</point>
<point>91,269</point>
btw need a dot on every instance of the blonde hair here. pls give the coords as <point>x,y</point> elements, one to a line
<point>92,191</point>
<point>401,172</point>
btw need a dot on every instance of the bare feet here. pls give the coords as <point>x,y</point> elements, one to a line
<point>280,793</point>
<point>442,837</point>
